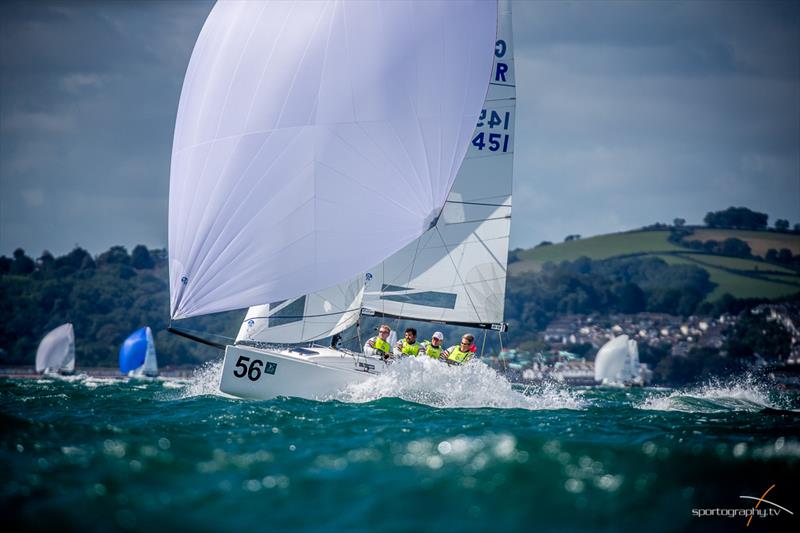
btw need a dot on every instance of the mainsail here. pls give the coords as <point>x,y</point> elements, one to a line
<point>56,352</point>
<point>315,139</point>
<point>456,271</point>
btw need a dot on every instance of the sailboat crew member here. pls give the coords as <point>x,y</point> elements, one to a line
<point>409,345</point>
<point>433,348</point>
<point>461,353</point>
<point>378,345</point>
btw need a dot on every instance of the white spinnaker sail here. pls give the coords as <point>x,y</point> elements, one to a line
<point>610,360</point>
<point>57,350</point>
<point>456,271</point>
<point>311,317</point>
<point>306,129</point>
<point>150,366</point>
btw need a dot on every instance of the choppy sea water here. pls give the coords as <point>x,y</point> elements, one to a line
<point>424,448</point>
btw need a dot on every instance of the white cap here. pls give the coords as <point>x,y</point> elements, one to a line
<point>438,335</point>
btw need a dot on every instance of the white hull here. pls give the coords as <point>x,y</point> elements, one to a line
<point>314,373</point>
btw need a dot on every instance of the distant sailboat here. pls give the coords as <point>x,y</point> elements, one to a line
<point>137,355</point>
<point>330,145</point>
<point>56,352</point>
<point>617,363</point>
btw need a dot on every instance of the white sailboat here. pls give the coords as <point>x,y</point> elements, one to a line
<point>360,203</point>
<point>56,351</point>
<point>617,363</point>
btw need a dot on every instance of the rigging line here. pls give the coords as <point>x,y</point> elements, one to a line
<point>478,203</point>
<point>478,220</point>
<point>305,316</point>
<point>458,274</point>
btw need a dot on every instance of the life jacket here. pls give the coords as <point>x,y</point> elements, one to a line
<point>432,350</point>
<point>409,349</point>
<point>457,356</point>
<point>381,345</point>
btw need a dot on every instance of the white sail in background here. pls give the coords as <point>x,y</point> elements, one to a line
<point>609,363</point>
<point>635,366</point>
<point>56,352</point>
<point>315,139</point>
<point>150,367</point>
<point>308,318</point>
<point>456,271</point>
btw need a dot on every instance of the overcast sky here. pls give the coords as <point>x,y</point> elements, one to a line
<point>628,113</point>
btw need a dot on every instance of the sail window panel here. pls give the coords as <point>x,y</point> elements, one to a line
<point>325,313</point>
<point>288,313</point>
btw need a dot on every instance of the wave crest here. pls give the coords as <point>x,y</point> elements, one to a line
<point>735,394</point>
<point>426,381</point>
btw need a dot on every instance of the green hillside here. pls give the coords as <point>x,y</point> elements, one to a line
<point>740,277</point>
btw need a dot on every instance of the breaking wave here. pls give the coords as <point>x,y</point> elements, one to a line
<point>736,394</point>
<point>204,381</point>
<point>426,381</point>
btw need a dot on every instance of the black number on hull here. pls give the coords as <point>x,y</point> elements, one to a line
<point>254,371</point>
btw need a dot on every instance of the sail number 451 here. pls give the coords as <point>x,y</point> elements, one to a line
<point>493,141</point>
<point>254,370</point>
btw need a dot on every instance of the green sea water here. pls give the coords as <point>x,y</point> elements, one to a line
<point>423,449</point>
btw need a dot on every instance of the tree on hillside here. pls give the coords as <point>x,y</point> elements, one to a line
<point>737,217</point>
<point>22,263</point>
<point>572,238</point>
<point>141,258</point>
<point>116,255</point>
<point>735,247</point>
<point>755,334</point>
<point>782,224</point>
<point>784,256</point>
<point>679,222</point>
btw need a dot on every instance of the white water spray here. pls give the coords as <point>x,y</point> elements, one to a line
<point>426,381</point>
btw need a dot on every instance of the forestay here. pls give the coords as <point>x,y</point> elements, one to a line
<point>456,271</point>
<point>56,352</point>
<point>308,318</point>
<point>308,129</point>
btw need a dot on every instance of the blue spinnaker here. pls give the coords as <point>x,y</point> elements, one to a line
<point>133,354</point>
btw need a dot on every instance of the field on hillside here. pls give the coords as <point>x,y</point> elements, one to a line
<point>738,263</point>
<point>599,247</point>
<point>736,284</point>
<point>759,241</point>
<point>742,278</point>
